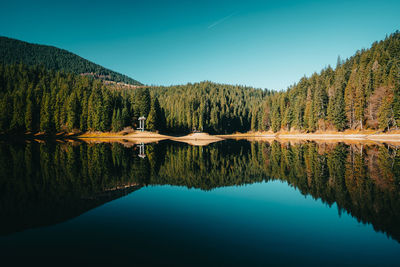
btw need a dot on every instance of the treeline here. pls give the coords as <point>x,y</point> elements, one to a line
<point>361,92</point>
<point>13,51</point>
<point>33,99</point>
<point>212,107</point>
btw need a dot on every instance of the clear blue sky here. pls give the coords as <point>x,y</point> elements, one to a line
<point>268,44</point>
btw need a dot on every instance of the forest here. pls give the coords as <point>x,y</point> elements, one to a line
<point>361,92</point>
<point>211,107</point>
<point>33,99</point>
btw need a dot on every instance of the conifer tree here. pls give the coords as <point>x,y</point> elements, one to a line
<point>6,111</point>
<point>142,102</point>
<point>84,113</point>
<point>45,114</point>
<point>385,113</point>
<point>339,113</point>
<point>155,119</point>
<point>151,120</point>
<point>117,123</point>
<point>72,112</point>
<point>350,98</point>
<point>17,121</point>
<point>309,118</point>
<point>125,116</point>
<point>29,116</point>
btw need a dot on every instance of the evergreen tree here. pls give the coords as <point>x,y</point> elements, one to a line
<point>6,111</point>
<point>254,121</point>
<point>83,120</point>
<point>309,118</point>
<point>72,112</point>
<point>45,115</point>
<point>155,119</point>
<point>142,102</point>
<point>151,120</point>
<point>125,116</point>
<point>29,116</point>
<point>117,123</point>
<point>339,113</point>
<point>17,121</point>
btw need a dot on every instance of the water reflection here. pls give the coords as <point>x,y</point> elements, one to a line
<point>141,150</point>
<point>47,183</point>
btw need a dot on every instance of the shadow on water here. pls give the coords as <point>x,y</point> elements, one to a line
<point>47,183</point>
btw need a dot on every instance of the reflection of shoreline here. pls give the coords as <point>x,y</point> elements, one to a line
<point>69,178</point>
<point>203,139</point>
<point>196,139</point>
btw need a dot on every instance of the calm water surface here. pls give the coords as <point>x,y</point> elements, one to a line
<point>229,203</point>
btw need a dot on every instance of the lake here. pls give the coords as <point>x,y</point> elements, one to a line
<point>230,203</point>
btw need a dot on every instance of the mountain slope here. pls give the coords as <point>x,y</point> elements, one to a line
<point>53,58</point>
<point>211,107</point>
<point>362,92</point>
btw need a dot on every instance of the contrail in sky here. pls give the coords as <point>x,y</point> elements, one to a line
<point>221,20</point>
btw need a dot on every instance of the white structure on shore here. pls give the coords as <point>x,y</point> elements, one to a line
<point>141,123</point>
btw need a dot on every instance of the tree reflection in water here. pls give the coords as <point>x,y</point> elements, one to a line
<point>46,183</point>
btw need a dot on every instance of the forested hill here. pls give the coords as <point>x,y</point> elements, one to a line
<point>211,107</point>
<point>53,58</point>
<point>33,99</point>
<point>360,92</point>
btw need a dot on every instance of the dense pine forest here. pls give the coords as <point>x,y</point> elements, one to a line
<point>211,107</point>
<point>52,58</point>
<point>33,99</point>
<point>361,92</point>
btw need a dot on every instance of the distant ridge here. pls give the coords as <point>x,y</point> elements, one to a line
<point>53,58</point>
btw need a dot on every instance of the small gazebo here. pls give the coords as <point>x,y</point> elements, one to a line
<point>141,123</point>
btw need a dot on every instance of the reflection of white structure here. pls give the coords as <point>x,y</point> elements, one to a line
<point>141,123</point>
<point>141,150</point>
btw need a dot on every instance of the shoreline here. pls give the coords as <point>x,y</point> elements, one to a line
<point>205,138</point>
<point>357,136</point>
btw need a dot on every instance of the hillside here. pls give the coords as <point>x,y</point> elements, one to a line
<point>211,107</point>
<point>361,92</point>
<point>53,58</point>
<point>33,99</point>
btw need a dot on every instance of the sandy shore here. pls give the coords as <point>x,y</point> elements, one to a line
<point>198,139</point>
<point>137,137</point>
<point>331,137</point>
<point>372,137</point>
